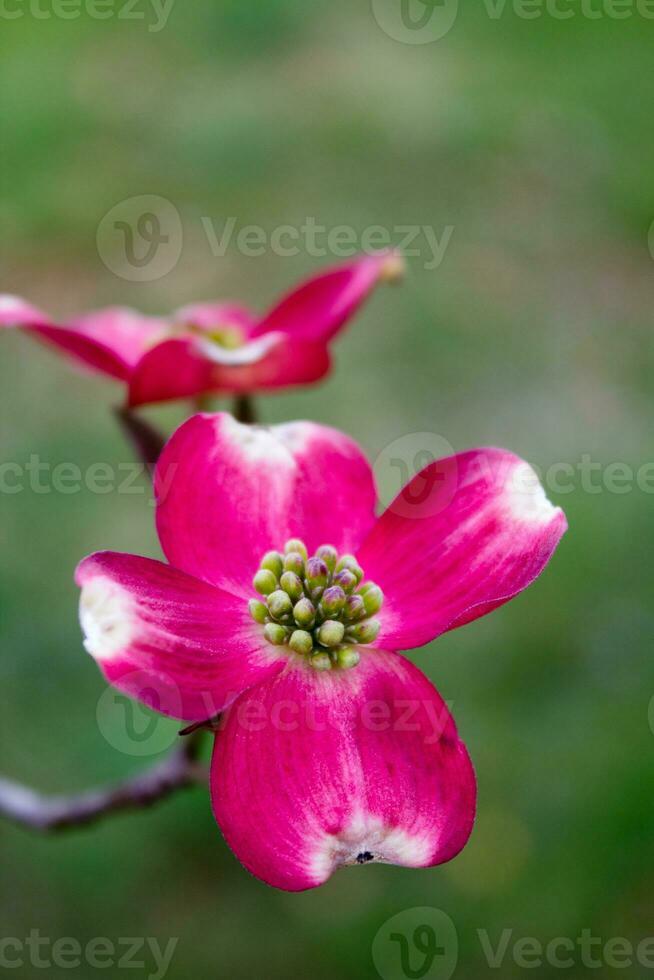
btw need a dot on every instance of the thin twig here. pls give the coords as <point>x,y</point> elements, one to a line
<point>49,814</point>
<point>179,770</point>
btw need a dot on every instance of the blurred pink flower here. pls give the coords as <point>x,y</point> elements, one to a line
<point>214,347</point>
<point>333,749</point>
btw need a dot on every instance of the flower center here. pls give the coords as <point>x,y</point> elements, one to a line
<point>320,607</point>
<point>226,335</point>
<point>229,337</point>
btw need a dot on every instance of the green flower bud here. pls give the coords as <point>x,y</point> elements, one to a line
<point>350,563</point>
<point>347,580</point>
<point>264,581</point>
<point>297,546</point>
<point>304,613</point>
<point>333,600</point>
<point>331,633</point>
<point>317,576</point>
<point>274,562</point>
<point>279,604</point>
<point>275,634</point>
<point>329,555</point>
<point>292,585</point>
<point>294,562</point>
<point>258,611</point>
<point>355,608</point>
<point>373,599</point>
<point>364,632</point>
<point>394,269</point>
<point>347,657</point>
<point>318,607</point>
<point>301,642</point>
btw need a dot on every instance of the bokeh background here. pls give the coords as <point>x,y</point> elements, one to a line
<point>532,139</point>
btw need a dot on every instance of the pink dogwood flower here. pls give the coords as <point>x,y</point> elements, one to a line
<point>283,605</point>
<point>214,347</point>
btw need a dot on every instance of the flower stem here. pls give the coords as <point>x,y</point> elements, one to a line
<point>146,441</point>
<point>203,403</point>
<point>244,409</point>
<point>179,770</point>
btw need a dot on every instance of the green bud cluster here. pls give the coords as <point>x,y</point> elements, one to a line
<point>318,606</point>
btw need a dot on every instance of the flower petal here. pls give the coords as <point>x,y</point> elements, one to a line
<point>92,353</point>
<point>172,369</point>
<point>214,316</point>
<point>318,308</point>
<point>127,333</point>
<point>466,535</point>
<point>16,312</point>
<point>227,493</point>
<point>111,340</point>
<point>188,366</point>
<point>183,647</point>
<point>315,771</point>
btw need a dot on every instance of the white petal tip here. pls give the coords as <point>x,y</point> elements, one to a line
<point>259,444</point>
<point>105,617</point>
<point>10,304</point>
<point>526,497</point>
<point>368,840</point>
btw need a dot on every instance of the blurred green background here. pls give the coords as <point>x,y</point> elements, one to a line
<point>533,140</point>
